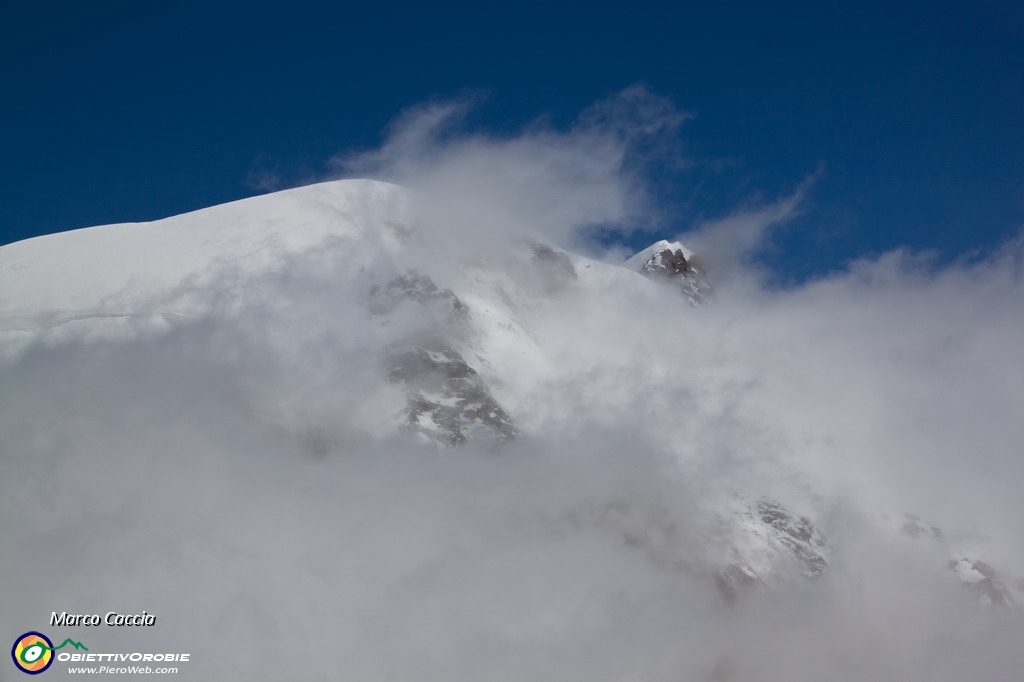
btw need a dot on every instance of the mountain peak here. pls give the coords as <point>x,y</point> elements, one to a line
<point>672,262</point>
<point>637,260</point>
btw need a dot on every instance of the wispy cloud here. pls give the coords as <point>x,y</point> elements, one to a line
<point>731,240</point>
<point>540,180</point>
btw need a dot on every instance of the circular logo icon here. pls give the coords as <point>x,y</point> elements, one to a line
<point>32,653</point>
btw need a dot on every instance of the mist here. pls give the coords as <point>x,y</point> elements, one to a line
<point>239,473</point>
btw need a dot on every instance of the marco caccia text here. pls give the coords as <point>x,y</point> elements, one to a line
<point>111,618</point>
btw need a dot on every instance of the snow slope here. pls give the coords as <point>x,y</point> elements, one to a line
<point>116,267</point>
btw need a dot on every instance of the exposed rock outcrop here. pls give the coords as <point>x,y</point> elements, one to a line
<point>413,286</point>
<point>984,581</point>
<point>667,262</point>
<point>447,400</point>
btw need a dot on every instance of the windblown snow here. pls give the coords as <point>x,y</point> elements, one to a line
<point>321,436</point>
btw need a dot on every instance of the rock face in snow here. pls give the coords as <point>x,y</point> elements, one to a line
<point>417,288</point>
<point>757,545</point>
<point>989,586</point>
<point>769,544</point>
<point>448,402</point>
<point>670,262</point>
<point>797,536</point>
<point>984,581</point>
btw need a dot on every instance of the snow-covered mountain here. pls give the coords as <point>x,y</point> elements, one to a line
<point>346,322</point>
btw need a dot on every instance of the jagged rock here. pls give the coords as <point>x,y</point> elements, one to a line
<point>447,400</point>
<point>761,545</point>
<point>667,262</point>
<point>984,580</point>
<point>767,544</point>
<point>798,535</point>
<point>414,286</point>
<point>672,266</point>
<point>990,587</point>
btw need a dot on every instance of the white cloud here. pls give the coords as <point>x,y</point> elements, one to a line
<point>729,242</point>
<point>483,187</point>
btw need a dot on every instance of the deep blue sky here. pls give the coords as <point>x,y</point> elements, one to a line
<point>122,111</point>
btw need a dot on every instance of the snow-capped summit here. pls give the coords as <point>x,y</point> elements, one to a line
<point>637,261</point>
<point>672,262</point>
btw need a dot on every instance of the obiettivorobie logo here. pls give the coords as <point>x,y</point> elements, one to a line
<point>33,652</point>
